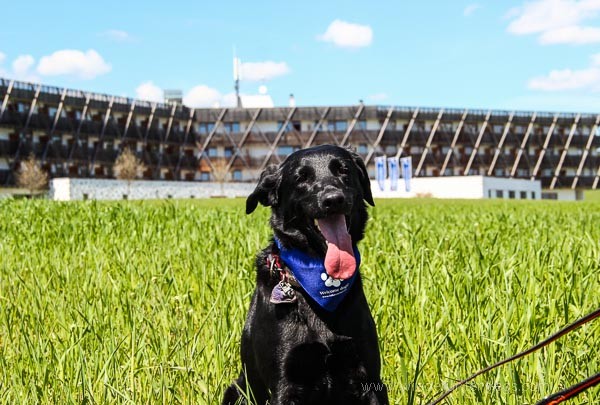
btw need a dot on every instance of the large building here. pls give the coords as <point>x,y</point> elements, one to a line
<point>74,133</point>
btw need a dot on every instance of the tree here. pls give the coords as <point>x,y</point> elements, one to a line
<point>219,170</point>
<point>31,176</point>
<point>128,167</point>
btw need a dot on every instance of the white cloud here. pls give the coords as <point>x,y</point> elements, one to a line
<point>72,62</point>
<point>347,35</point>
<point>262,71</point>
<point>150,92</point>
<point>22,64</point>
<point>556,21</point>
<point>569,79</point>
<point>117,35</point>
<point>21,69</point>
<point>571,35</point>
<point>202,96</point>
<point>470,9</point>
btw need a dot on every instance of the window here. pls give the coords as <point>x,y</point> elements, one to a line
<point>204,176</point>
<point>205,128</point>
<point>228,152</point>
<point>361,124</point>
<point>232,127</point>
<point>523,195</point>
<point>237,175</point>
<point>362,149</point>
<point>511,194</point>
<point>533,195</point>
<point>341,126</point>
<point>212,152</point>
<point>499,194</point>
<point>490,193</point>
<point>288,127</point>
<point>331,126</point>
<point>285,150</point>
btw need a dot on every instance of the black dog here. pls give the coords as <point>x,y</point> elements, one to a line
<point>299,348</point>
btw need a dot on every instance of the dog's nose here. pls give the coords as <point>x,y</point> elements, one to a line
<point>333,201</point>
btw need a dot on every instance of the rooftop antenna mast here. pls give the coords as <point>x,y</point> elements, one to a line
<point>236,78</point>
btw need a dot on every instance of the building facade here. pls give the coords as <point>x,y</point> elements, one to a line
<point>75,133</point>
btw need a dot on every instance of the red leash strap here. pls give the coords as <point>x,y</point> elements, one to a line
<point>543,343</point>
<point>571,392</point>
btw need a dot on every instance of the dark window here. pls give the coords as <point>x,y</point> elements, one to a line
<point>232,126</point>
<point>499,194</point>
<point>511,194</point>
<point>228,152</point>
<point>523,195</point>
<point>533,195</point>
<point>205,128</point>
<point>288,127</point>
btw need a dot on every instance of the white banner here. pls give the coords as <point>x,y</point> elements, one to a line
<point>394,171</point>
<point>380,171</point>
<point>406,163</point>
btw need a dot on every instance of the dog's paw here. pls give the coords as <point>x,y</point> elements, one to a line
<point>329,282</point>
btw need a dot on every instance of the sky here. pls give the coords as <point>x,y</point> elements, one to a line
<point>541,55</point>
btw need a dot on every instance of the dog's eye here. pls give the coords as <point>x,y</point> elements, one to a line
<point>304,174</point>
<point>338,168</point>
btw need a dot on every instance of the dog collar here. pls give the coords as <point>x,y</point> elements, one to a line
<point>309,272</point>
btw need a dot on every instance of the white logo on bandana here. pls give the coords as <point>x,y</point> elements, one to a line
<point>330,282</point>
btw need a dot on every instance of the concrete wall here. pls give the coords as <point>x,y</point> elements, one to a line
<point>467,187</point>
<point>65,189</point>
<point>459,187</point>
<point>519,189</point>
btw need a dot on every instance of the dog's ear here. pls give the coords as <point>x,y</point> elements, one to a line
<point>363,177</point>
<point>266,191</point>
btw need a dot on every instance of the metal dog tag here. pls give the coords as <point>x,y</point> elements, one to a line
<point>283,293</point>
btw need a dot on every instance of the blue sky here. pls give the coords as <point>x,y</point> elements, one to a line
<point>533,55</point>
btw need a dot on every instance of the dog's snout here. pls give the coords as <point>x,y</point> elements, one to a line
<point>333,200</point>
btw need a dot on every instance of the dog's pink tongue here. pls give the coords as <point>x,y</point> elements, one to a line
<point>339,260</point>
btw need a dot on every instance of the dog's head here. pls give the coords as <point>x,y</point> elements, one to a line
<point>317,200</point>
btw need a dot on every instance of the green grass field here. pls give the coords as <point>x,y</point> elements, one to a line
<point>131,302</point>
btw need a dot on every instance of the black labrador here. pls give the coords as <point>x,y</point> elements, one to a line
<point>297,346</point>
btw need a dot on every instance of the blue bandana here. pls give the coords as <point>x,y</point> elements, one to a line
<point>310,273</point>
